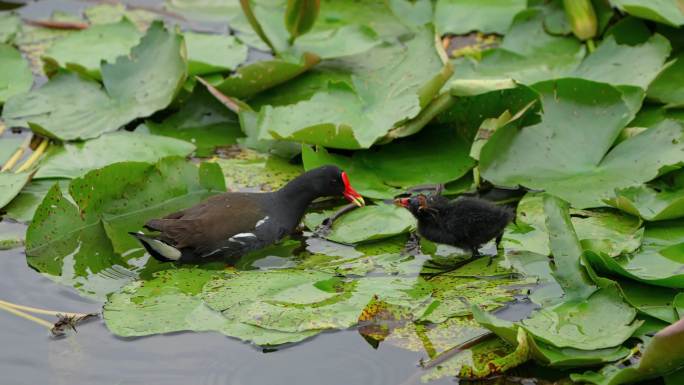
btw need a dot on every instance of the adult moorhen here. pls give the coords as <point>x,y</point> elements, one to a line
<point>234,223</point>
<point>466,223</point>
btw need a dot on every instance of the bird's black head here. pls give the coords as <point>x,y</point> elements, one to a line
<point>415,204</point>
<point>330,181</point>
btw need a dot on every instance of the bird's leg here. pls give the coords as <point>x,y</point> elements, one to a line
<point>412,246</point>
<point>326,226</point>
<point>451,267</point>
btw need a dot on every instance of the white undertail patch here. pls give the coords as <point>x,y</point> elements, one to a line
<point>166,251</point>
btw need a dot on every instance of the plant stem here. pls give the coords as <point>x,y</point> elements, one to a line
<point>3,127</point>
<point>17,155</point>
<point>36,154</point>
<point>39,311</point>
<point>591,46</point>
<point>27,316</point>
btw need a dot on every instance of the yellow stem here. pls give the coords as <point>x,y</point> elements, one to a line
<point>3,127</point>
<point>39,311</point>
<point>36,154</point>
<point>17,155</point>
<point>27,316</point>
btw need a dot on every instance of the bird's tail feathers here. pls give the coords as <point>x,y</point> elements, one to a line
<point>158,249</point>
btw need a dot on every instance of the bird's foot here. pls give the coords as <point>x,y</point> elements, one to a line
<point>412,246</point>
<point>324,229</point>
<point>444,268</point>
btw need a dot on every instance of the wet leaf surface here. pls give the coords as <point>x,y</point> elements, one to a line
<point>72,107</point>
<point>15,77</point>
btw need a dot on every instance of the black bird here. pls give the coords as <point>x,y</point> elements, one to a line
<point>235,223</point>
<point>466,222</point>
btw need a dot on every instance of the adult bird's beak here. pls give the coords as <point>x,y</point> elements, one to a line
<point>351,194</point>
<point>403,202</point>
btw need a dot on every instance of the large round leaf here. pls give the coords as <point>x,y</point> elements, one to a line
<point>71,107</point>
<point>15,76</point>
<point>565,153</point>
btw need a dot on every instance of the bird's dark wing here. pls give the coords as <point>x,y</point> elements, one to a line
<point>211,223</point>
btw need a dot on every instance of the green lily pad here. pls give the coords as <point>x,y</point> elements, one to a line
<point>11,184</point>
<point>108,13</point>
<point>659,261</point>
<point>663,11</point>
<point>253,78</point>
<point>85,50</point>
<point>71,107</point>
<point>72,160</point>
<point>367,223</point>
<point>527,53</point>
<point>294,301</point>
<point>658,200</point>
<point>343,41</point>
<point>478,282</point>
<point>660,355</point>
<point>463,16</point>
<point>436,155</point>
<point>565,154</point>
<point>201,120</point>
<point>360,98</point>
<point>249,170</point>
<point>24,205</point>
<point>669,85</point>
<point>605,231</point>
<point>10,25</point>
<point>657,302</point>
<point>601,321</point>
<point>15,77</point>
<point>549,354</point>
<point>81,240</point>
<point>171,301</point>
<point>213,53</point>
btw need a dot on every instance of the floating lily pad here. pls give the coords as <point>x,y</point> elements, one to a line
<point>478,282</point>
<point>549,354</point>
<point>10,24</point>
<point>256,77</point>
<point>463,16</point>
<point>662,354</point>
<point>171,301</point>
<point>668,87</point>
<point>601,321</point>
<point>436,155</point>
<point>10,185</point>
<point>527,53</point>
<point>584,175</point>
<point>249,170</point>
<point>663,11</point>
<point>213,53</point>
<point>293,301</point>
<point>201,120</point>
<point>367,223</point>
<point>659,261</point>
<point>15,77</point>
<point>71,107</point>
<point>659,200</point>
<point>360,98</point>
<point>24,205</point>
<point>72,160</point>
<point>79,240</point>
<point>84,50</point>
<point>606,231</point>
<point>657,302</point>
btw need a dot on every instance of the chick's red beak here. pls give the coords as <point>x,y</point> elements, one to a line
<point>351,194</point>
<point>403,202</point>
